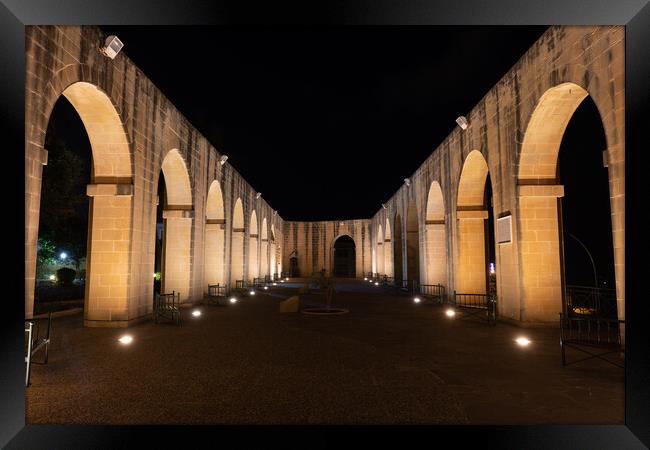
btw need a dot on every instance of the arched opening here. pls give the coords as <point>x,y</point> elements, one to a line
<point>253,251</point>
<point>274,256</point>
<point>215,236</point>
<point>398,266</point>
<point>388,251</point>
<point>237,247</point>
<point>344,257</point>
<point>264,254</point>
<point>475,235</point>
<point>436,237</point>
<point>568,257</point>
<point>88,155</point>
<point>380,251</point>
<point>412,244</point>
<point>174,210</point>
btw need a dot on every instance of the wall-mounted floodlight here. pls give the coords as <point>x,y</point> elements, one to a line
<point>223,159</point>
<point>275,212</point>
<point>462,122</point>
<point>259,194</point>
<point>342,223</point>
<point>407,181</point>
<point>112,46</point>
<point>383,206</point>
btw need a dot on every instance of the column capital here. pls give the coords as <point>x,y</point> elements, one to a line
<point>540,190</point>
<point>178,214</point>
<point>109,189</point>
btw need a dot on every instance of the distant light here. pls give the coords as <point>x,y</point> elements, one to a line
<point>462,122</point>
<point>365,278</point>
<point>196,313</point>
<point>522,341</point>
<point>154,274</point>
<point>266,288</point>
<point>287,278</point>
<point>52,277</point>
<point>450,312</point>
<point>492,268</point>
<point>233,300</point>
<point>376,283</point>
<point>252,292</point>
<point>417,300</point>
<point>126,339</point>
<point>63,255</point>
<point>275,284</point>
<point>407,181</point>
<point>223,159</point>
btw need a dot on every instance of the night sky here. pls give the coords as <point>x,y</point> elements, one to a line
<point>325,122</point>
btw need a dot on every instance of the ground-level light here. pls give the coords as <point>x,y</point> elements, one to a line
<point>522,341</point>
<point>196,313</point>
<point>252,292</point>
<point>275,284</point>
<point>126,339</point>
<point>266,288</point>
<point>233,300</point>
<point>376,283</point>
<point>365,278</point>
<point>450,312</point>
<point>416,300</point>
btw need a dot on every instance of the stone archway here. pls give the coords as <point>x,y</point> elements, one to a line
<point>344,256</point>
<point>380,252</point>
<point>253,251</point>
<point>388,251</point>
<point>215,236</point>
<point>110,228</point>
<point>237,243</point>
<point>398,263</point>
<point>539,197</point>
<point>471,213</point>
<point>177,225</point>
<point>436,237</point>
<point>264,253</point>
<point>412,244</point>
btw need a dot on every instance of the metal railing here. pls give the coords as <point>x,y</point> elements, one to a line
<point>168,306</point>
<point>216,294</point>
<point>588,334</point>
<point>476,304</point>
<point>590,301</point>
<point>433,292</point>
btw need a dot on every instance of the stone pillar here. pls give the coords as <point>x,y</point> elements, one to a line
<point>539,247</point>
<point>35,159</point>
<point>215,235</point>
<point>237,256</point>
<point>264,258</point>
<point>472,269</point>
<point>388,258</point>
<point>108,254</point>
<point>273,259</point>
<point>380,257</point>
<point>176,263</point>
<point>253,258</point>
<point>436,252</point>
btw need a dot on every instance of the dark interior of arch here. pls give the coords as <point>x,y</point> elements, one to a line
<point>344,257</point>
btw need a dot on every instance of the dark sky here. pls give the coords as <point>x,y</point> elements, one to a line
<point>325,122</point>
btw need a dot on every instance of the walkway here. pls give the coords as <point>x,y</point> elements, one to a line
<point>386,362</point>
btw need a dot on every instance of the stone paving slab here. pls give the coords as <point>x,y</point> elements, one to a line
<point>387,361</point>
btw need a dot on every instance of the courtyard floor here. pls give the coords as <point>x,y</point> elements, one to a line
<point>388,361</point>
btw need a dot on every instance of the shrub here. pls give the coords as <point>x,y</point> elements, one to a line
<point>65,276</point>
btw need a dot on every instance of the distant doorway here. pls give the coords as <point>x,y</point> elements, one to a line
<point>344,257</point>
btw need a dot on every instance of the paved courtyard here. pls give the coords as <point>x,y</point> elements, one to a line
<point>388,361</point>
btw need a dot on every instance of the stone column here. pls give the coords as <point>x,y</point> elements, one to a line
<point>35,159</point>
<point>539,248</point>
<point>214,251</point>
<point>176,263</point>
<point>108,254</point>
<point>471,272</point>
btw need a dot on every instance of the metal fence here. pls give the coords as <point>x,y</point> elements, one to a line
<point>590,301</point>
<point>590,335</point>
<point>476,304</point>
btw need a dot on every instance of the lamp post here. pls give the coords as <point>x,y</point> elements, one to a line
<point>593,265</point>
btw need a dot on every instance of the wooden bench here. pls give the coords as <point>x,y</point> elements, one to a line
<point>432,293</point>
<point>217,294</point>
<point>36,342</point>
<point>472,305</point>
<point>168,306</point>
<point>595,336</point>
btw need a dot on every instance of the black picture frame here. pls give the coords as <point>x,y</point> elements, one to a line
<point>634,14</point>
